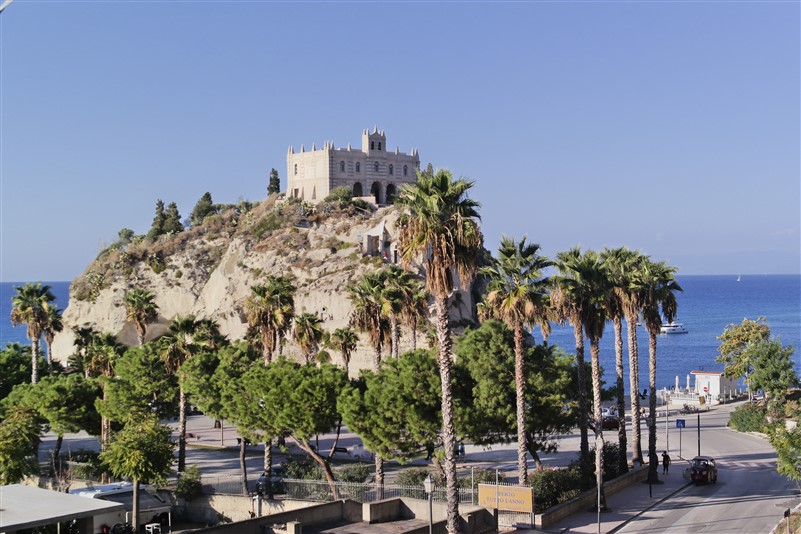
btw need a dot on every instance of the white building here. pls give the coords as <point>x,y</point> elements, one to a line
<point>712,384</point>
<point>371,171</point>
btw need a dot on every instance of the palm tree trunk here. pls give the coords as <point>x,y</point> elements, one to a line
<point>34,360</point>
<point>582,394</point>
<point>395,327</point>
<point>268,465</point>
<point>135,511</point>
<point>445,360</point>
<point>414,334</point>
<point>634,385</point>
<point>242,465</point>
<point>520,391</point>
<point>653,459</point>
<point>379,476</point>
<point>181,430</point>
<point>595,350</point>
<point>622,463</point>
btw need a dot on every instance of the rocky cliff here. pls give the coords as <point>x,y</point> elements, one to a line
<point>208,270</point>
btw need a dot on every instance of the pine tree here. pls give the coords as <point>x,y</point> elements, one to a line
<point>203,208</point>
<point>172,220</point>
<point>275,183</point>
<point>157,228</point>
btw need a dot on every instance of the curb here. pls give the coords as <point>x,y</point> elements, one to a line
<point>660,501</point>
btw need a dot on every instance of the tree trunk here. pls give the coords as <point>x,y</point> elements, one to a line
<point>520,392</point>
<point>329,474</point>
<point>135,511</point>
<point>242,465</point>
<point>395,336</point>
<point>34,360</point>
<point>445,360</point>
<point>379,476</point>
<point>653,459</point>
<point>414,334</point>
<point>634,385</point>
<point>268,465</point>
<point>622,459</point>
<point>582,393</point>
<point>595,350</point>
<point>57,449</point>
<point>181,430</point>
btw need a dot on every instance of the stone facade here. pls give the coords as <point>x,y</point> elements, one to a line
<point>371,171</point>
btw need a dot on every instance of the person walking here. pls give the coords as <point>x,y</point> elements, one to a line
<point>665,462</point>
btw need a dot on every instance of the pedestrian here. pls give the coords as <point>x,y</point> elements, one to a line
<point>461,450</point>
<point>665,462</point>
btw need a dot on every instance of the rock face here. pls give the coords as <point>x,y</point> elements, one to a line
<point>208,271</point>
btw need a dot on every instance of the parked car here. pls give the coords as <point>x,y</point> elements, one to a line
<point>703,469</point>
<point>610,422</point>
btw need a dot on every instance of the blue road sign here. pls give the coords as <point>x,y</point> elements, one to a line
<point>679,423</point>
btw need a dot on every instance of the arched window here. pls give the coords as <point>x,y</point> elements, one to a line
<point>341,166</point>
<point>376,166</point>
<point>391,169</point>
<point>372,145</point>
<point>358,167</point>
<point>405,170</point>
<point>379,145</point>
<point>296,169</point>
<point>357,190</point>
<point>390,194</point>
<point>375,190</point>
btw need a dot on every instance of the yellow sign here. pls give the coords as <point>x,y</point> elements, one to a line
<point>511,498</point>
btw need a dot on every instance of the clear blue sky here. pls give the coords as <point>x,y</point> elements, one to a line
<point>670,127</point>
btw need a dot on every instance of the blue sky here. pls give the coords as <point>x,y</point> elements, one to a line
<point>670,127</point>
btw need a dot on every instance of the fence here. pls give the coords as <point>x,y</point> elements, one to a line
<point>320,491</point>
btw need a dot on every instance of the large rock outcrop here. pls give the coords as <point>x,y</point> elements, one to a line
<point>208,271</point>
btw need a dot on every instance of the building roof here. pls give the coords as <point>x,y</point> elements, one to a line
<point>29,507</point>
<point>717,373</point>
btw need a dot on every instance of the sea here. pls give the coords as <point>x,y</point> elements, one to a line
<point>707,304</point>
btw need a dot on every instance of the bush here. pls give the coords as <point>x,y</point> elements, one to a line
<point>555,486</point>
<point>189,485</point>
<point>304,469</point>
<point>353,473</point>
<point>749,417</point>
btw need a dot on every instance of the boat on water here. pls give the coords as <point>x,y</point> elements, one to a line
<point>672,328</point>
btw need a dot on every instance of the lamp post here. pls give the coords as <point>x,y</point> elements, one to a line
<point>428,485</point>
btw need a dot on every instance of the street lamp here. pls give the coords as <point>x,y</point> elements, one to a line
<point>428,485</point>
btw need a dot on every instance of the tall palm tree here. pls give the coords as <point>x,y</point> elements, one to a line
<point>101,356</point>
<point>84,338</point>
<point>441,227</point>
<point>141,309</point>
<point>398,284</point>
<point>516,295</point>
<point>308,333</point>
<point>367,298</point>
<point>656,284</point>
<point>187,336</point>
<point>415,309</point>
<point>567,306</point>
<point>618,264</point>
<point>583,283</point>
<point>344,340</point>
<point>53,326</point>
<point>29,306</point>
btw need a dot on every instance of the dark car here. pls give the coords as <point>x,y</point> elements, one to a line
<point>610,422</point>
<point>273,484</point>
<point>703,469</point>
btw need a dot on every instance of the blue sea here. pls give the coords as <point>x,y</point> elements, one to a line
<point>706,306</point>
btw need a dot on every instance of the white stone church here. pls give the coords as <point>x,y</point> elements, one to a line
<point>371,171</point>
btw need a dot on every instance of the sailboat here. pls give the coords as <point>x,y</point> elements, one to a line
<point>738,277</point>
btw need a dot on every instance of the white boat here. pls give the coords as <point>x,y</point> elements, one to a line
<point>672,328</point>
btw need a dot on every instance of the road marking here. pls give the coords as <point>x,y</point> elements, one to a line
<point>759,464</point>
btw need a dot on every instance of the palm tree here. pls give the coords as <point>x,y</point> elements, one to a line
<point>308,333</point>
<point>84,338</point>
<point>101,356</point>
<point>29,306</point>
<point>583,284</point>
<point>141,309</point>
<point>656,285</point>
<point>344,340</point>
<point>415,309</point>
<point>441,227</point>
<point>567,306</point>
<point>270,309</point>
<point>187,336</point>
<point>399,284</point>
<point>617,263</point>
<point>53,326</point>
<point>516,295</point>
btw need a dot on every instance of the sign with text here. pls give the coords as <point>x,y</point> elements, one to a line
<point>511,498</point>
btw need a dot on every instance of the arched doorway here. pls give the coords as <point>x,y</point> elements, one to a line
<point>357,190</point>
<point>390,194</point>
<point>375,190</point>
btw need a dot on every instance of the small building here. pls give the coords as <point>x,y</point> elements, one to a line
<point>713,385</point>
<point>372,171</point>
<point>27,507</point>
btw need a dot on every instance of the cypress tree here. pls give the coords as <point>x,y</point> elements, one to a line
<point>275,183</point>
<point>203,208</point>
<point>172,220</point>
<point>157,228</point>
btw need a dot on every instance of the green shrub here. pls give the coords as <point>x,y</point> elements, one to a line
<point>353,473</point>
<point>303,469</point>
<point>749,417</point>
<point>413,477</point>
<point>189,485</point>
<point>555,486</point>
